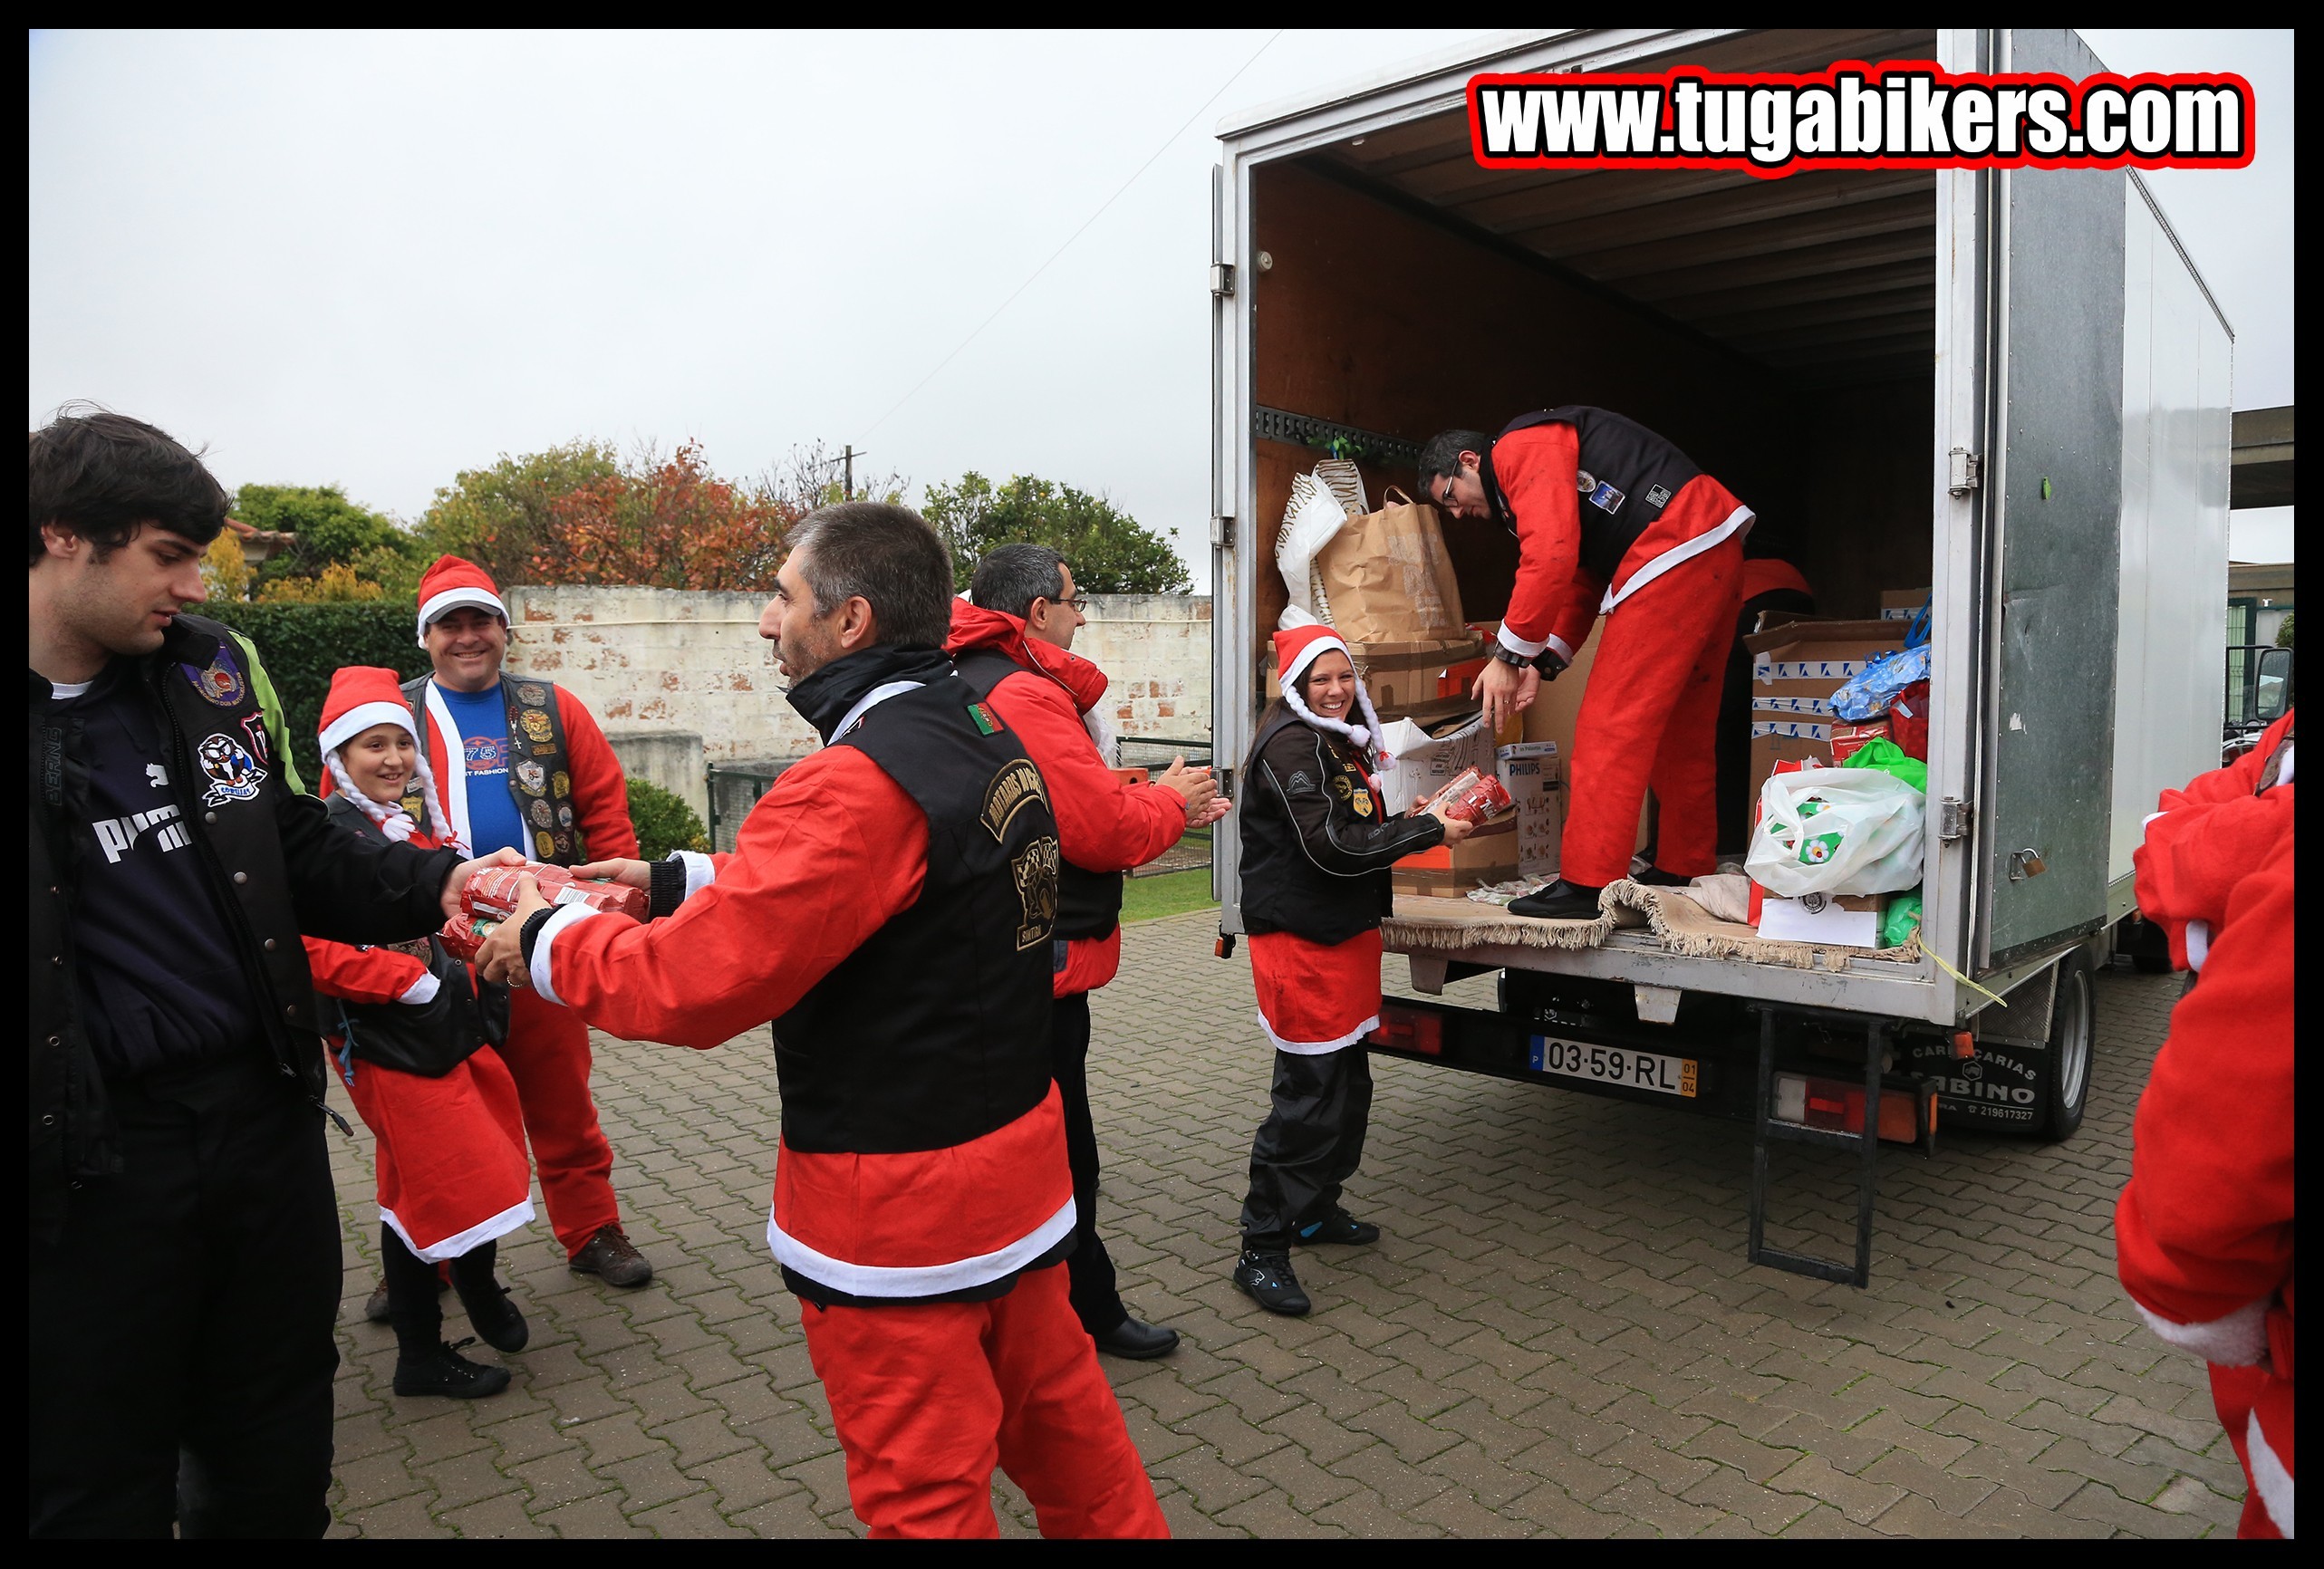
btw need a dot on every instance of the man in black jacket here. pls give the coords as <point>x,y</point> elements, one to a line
<point>185,1236</point>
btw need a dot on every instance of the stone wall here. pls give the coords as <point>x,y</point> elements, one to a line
<point>647,659</point>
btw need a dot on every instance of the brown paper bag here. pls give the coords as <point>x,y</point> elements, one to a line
<point>1389,578</point>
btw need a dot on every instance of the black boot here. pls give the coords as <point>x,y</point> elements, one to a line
<point>1655,877</point>
<point>490,1313</point>
<point>1266,1277</point>
<point>1561,900</point>
<point>443,1370</point>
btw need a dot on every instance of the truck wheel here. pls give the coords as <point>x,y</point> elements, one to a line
<point>2073,1035</point>
<point>2149,949</point>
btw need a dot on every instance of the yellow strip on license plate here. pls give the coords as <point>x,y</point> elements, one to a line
<point>1614,1066</point>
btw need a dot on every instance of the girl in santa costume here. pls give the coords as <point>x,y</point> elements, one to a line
<point>1318,841</point>
<point>410,1047</point>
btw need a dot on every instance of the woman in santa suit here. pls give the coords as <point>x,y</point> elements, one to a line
<point>1318,841</point>
<point>411,1048</point>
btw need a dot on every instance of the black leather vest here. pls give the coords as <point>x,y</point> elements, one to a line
<point>1627,477</point>
<point>540,773</point>
<point>1089,903</point>
<point>936,1030</point>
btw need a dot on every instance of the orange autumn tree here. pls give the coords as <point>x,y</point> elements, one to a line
<point>665,523</point>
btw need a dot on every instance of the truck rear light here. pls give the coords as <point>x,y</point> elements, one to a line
<point>1814,1103</point>
<point>1411,1030</point>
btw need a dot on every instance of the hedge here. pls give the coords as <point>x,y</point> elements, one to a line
<point>303,645</point>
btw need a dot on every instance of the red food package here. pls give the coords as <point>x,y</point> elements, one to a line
<point>1472,796</point>
<point>1848,740</point>
<point>492,896</point>
<point>1908,720</point>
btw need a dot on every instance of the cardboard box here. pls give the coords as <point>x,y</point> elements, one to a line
<point>1533,774</point>
<point>1832,919</point>
<point>1902,604</point>
<point>1795,669</point>
<point>1450,871</point>
<point>1404,678</point>
<point>1424,762</point>
<point>1557,710</point>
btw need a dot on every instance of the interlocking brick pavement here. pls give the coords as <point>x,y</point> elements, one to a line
<point>1557,1333</point>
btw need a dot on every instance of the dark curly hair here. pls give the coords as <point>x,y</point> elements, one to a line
<point>105,476</point>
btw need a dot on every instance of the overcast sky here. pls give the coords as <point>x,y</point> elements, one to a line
<point>376,260</point>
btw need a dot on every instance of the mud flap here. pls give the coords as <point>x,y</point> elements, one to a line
<point>1998,1088</point>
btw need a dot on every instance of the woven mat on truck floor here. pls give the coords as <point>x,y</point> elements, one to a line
<point>1452,924</point>
<point>1684,927</point>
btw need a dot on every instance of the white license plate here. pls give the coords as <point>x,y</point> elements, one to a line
<point>1614,1066</point>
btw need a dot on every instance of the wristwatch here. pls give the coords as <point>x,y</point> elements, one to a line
<point>1509,656</point>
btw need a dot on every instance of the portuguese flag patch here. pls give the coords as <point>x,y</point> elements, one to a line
<point>986,722</point>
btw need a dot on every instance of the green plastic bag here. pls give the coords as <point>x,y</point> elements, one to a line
<point>1890,758</point>
<point>1902,920</point>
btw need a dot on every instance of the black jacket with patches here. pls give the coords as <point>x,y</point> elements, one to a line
<point>1316,848</point>
<point>276,865</point>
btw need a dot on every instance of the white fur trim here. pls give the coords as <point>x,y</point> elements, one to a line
<point>1319,1048</point>
<point>538,969</point>
<point>869,700</point>
<point>2198,943</point>
<point>1101,734</point>
<point>1738,521</point>
<point>2239,1339</point>
<point>1517,645</point>
<point>453,599</point>
<point>422,992</point>
<point>455,783</point>
<point>919,1279</point>
<point>2149,821</point>
<point>700,872</point>
<point>2269,1476</point>
<point>2283,776</point>
<point>362,717</point>
<point>1315,651</point>
<point>475,1236</point>
<point>1561,648</point>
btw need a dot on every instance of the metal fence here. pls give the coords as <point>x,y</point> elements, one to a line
<point>734,789</point>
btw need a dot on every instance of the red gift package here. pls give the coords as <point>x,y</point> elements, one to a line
<point>1474,797</point>
<point>492,896</point>
<point>1908,720</point>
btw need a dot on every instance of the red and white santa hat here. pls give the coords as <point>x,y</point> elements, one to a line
<point>452,583</point>
<point>361,696</point>
<point>1298,646</point>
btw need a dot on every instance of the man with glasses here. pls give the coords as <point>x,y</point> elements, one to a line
<point>1611,519</point>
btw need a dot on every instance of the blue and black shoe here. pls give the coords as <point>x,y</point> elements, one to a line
<point>1266,1277</point>
<point>1338,1228</point>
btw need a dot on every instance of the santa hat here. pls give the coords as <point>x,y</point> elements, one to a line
<point>1298,646</point>
<point>361,696</point>
<point>450,583</point>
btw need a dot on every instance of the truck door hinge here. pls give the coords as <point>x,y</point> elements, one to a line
<point>1222,280</point>
<point>1953,819</point>
<point>1964,471</point>
<point>1222,531</point>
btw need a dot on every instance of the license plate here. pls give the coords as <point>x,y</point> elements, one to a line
<point>1614,1066</point>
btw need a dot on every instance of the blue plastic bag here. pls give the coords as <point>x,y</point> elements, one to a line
<point>1866,695</point>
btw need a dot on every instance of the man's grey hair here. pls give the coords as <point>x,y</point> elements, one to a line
<point>885,554</point>
<point>1012,577</point>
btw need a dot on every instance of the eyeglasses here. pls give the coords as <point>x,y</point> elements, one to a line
<point>1443,498</point>
<point>1079,604</point>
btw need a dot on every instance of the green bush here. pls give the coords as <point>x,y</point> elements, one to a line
<point>664,822</point>
<point>303,645</point>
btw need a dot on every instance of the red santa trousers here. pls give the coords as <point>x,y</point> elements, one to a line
<point>452,1173</point>
<point>929,1397</point>
<point>1315,998</point>
<point>1650,717</point>
<point>547,1054</point>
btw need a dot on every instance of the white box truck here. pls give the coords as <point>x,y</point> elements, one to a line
<point>2008,387</point>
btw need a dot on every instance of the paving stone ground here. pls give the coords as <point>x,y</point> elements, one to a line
<point>1558,1335</point>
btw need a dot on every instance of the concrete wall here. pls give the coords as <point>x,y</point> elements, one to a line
<point>650,659</point>
<point>671,758</point>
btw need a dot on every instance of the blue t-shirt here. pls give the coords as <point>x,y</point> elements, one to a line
<point>493,821</point>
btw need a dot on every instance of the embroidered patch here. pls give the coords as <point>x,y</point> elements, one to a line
<point>1036,871</point>
<point>988,724</point>
<point>537,726</point>
<point>1659,495</point>
<point>531,692</point>
<point>1300,784</point>
<point>1361,803</point>
<point>539,812</point>
<point>232,773</point>
<point>413,807</point>
<point>561,783</point>
<point>565,816</point>
<point>1607,499</point>
<point>546,845</point>
<point>255,726</point>
<point>533,777</point>
<point>221,682</point>
<point>1011,789</point>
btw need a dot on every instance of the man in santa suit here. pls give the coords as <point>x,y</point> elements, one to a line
<point>2204,1231</point>
<point>1613,520</point>
<point>889,906</point>
<point>1012,640</point>
<point>523,765</point>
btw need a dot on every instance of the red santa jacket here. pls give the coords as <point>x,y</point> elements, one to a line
<point>2203,1230</point>
<point>833,851</point>
<point>1556,600</point>
<point>1105,824</point>
<point>2201,841</point>
<point>601,794</point>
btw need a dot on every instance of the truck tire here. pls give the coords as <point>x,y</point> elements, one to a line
<point>2073,1039</point>
<point>2149,949</point>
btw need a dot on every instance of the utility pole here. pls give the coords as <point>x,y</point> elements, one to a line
<point>847,486</point>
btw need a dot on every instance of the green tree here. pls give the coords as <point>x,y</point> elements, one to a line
<point>1110,552</point>
<point>503,516</point>
<point>2283,632</point>
<point>329,530</point>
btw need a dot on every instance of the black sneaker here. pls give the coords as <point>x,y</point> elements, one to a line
<point>1561,900</point>
<point>610,1256</point>
<point>492,1316</point>
<point>1266,1279</point>
<point>445,1371</point>
<point>1339,1226</point>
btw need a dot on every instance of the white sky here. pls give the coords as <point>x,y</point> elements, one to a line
<point>375,260</point>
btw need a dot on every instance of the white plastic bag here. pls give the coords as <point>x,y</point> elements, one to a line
<point>1836,831</point>
<point>1314,516</point>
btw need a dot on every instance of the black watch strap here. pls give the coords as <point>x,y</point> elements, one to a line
<point>665,887</point>
<point>530,938</point>
<point>1509,656</point>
